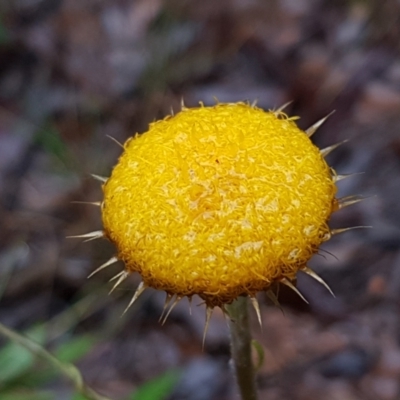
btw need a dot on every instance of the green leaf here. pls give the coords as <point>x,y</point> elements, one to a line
<point>79,396</point>
<point>157,389</point>
<point>75,349</point>
<point>15,360</point>
<point>68,352</point>
<point>260,354</point>
<point>27,395</point>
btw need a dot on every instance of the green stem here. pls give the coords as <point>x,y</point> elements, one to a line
<point>68,370</point>
<point>241,348</point>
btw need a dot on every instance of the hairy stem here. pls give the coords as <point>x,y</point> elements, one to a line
<point>68,370</point>
<point>241,348</point>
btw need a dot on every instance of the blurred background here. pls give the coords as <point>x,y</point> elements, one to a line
<point>73,72</point>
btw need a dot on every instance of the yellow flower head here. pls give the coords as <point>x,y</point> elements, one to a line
<point>220,202</point>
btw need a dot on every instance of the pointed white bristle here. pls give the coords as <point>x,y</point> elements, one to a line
<point>177,300</point>
<point>190,304</point>
<point>337,231</point>
<point>256,307</point>
<point>115,141</point>
<point>337,178</point>
<point>88,236</point>
<point>99,178</point>
<point>282,107</point>
<point>209,311</point>
<point>91,203</point>
<point>289,284</point>
<point>140,289</point>
<point>166,304</point>
<point>122,277</point>
<point>327,150</point>
<point>313,128</point>
<point>348,201</point>
<point>123,272</point>
<point>112,260</point>
<point>315,276</point>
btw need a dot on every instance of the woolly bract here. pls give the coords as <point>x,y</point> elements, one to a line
<point>218,201</point>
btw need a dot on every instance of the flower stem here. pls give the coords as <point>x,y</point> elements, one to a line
<point>241,347</point>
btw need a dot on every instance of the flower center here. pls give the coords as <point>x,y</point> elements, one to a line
<point>218,201</point>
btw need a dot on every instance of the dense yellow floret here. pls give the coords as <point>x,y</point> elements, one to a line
<point>218,201</point>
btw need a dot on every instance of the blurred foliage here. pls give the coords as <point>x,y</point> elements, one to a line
<point>157,389</point>
<point>19,361</point>
<point>24,374</point>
